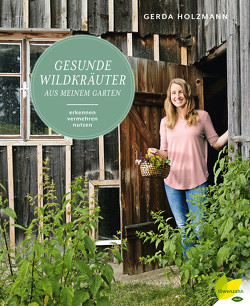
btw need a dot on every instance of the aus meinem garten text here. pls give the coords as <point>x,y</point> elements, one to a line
<point>83,79</point>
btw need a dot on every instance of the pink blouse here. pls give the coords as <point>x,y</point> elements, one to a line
<point>187,150</point>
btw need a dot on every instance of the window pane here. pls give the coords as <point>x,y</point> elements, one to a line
<point>108,200</point>
<point>37,127</point>
<point>9,58</point>
<point>9,105</point>
<point>35,52</point>
<point>111,155</point>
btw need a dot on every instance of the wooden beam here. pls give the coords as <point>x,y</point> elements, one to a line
<point>154,99</point>
<point>64,14</point>
<point>54,34</point>
<point>134,15</point>
<point>11,195</point>
<point>85,15</point>
<point>40,175</point>
<point>47,16</point>
<point>129,44</point>
<point>214,54</point>
<point>156,47</point>
<point>40,181</point>
<point>184,56</point>
<point>240,138</point>
<point>101,158</point>
<point>99,183</point>
<point>68,182</point>
<point>30,143</point>
<point>25,13</point>
<point>92,206</point>
<point>111,16</point>
<point>244,74</point>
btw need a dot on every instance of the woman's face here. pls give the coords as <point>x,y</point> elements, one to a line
<point>177,96</point>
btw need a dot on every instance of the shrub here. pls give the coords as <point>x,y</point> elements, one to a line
<point>224,245</point>
<point>58,263</point>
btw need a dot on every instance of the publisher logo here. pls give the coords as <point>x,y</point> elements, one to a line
<point>234,291</point>
<point>82,87</point>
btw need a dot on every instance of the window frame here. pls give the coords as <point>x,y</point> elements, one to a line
<point>25,39</point>
<point>93,186</point>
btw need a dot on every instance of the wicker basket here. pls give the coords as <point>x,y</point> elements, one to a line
<point>150,170</point>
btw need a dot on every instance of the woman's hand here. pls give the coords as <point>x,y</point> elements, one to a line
<point>153,151</point>
<point>161,153</point>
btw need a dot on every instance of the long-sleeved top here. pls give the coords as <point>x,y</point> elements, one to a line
<point>187,150</point>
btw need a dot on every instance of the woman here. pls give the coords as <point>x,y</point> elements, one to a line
<point>185,133</point>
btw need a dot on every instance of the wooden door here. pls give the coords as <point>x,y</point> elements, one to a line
<point>139,131</point>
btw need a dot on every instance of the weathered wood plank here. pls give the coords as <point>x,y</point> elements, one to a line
<point>111,15</point>
<point>57,168</point>
<point>119,40</point>
<point>101,157</point>
<point>156,47</point>
<point>170,50</point>
<point>25,13</point>
<point>25,182</point>
<point>129,44</point>
<point>134,65</point>
<point>143,48</point>
<point>233,70</point>
<point>37,14</point>
<point>140,125</point>
<point>11,14</point>
<point>74,14</point>
<point>98,17</point>
<point>84,16</point>
<point>68,181</point>
<point>3,171</point>
<point>11,195</point>
<point>221,24</point>
<point>59,14</point>
<point>123,16</point>
<point>244,8</point>
<point>135,16</point>
<point>209,25</point>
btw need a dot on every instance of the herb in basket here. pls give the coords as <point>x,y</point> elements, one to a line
<point>153,166</point>
<point>152,159</point>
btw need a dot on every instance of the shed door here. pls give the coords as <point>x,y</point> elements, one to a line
<point>140,130</point>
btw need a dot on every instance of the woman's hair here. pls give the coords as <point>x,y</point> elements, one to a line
<point>191,115</point>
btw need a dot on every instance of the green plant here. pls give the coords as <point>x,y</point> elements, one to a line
<point>58,263</point>
<point>224,245</point>
<point>152,159</point>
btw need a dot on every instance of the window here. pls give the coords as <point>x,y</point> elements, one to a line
<point>18,118</point>
<point>10,84</point>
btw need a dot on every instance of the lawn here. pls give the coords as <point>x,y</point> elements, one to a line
<point>138,293</point>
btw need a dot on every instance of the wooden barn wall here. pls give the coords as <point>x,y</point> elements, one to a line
<point>211,33</point>
<point>125,16</point>
<point>238,75</point>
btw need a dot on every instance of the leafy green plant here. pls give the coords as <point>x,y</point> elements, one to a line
<point>224,245</point>
<point>152,159</point>
<point>58,262</point>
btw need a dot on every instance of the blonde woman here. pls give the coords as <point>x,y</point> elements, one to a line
<point>185,134</point>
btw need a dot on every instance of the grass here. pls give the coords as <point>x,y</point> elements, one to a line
<point>142,294</point>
